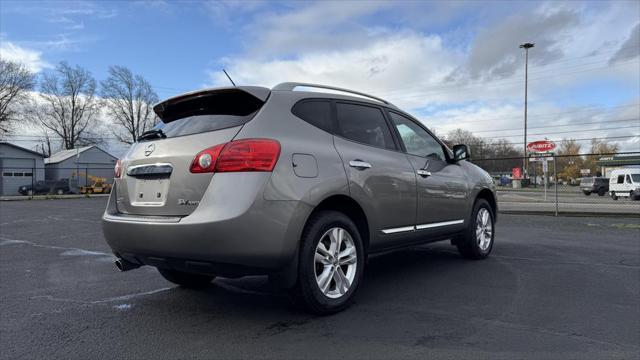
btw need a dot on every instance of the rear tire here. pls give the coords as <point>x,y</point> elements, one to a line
<point>184,279</point>
<point>477,242</point>
<point>614,196</point>
<point>601,192</point>
<point>331,257</point>
<point>587,193</point>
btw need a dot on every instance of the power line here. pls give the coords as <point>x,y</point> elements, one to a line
<point>569,59</point>
<point>563,156</point>
<point>606,138</point>
<point>550,126</point>
<point>565,132</point>
<point>595,108</point>
<point>500,83</point>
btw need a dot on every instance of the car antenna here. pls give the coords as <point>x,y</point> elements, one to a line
<point>229,77</point>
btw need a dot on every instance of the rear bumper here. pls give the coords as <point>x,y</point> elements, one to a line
<point>248,235</point>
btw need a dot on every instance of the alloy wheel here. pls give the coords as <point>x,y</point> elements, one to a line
<point>484,229</point>
<point>336,261</point>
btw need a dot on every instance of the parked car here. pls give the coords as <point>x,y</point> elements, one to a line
<point>625,183</point>
<point>42,187</point>
<point>298,185</point>
<point>594,185</point>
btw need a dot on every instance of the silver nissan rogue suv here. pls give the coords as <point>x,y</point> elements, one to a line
<point>298,185</point>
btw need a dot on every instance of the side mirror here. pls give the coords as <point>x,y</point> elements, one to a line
<point>460,152</point>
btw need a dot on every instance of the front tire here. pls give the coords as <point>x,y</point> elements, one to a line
<point>331,263</point>
<point>587,193</point>
<point>614,196</point>
<point>477,242</point>
<point>184,279</point>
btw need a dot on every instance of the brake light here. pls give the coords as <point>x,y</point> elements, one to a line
<point>237,156</point>
<point>117,170</point>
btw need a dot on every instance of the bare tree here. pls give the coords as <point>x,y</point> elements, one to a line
<point>15,81</point>
<point>571,162</point>
<point>68,106</point>
<point>477,146</point>
<point>599,146</point>
<point>129,99</point>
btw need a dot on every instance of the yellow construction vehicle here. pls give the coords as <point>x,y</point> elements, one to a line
<point>99,185</point>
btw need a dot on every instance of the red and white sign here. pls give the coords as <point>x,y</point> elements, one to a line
<point>516,173</point>
<point>541,146</point>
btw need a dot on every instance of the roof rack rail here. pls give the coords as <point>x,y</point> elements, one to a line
<point>289,86</point>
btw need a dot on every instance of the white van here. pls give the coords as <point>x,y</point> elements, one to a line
<point>625,183</point>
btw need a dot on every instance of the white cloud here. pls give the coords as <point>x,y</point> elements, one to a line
<point>391,62</point>
<point>32,59</point>
<point>448,84</point>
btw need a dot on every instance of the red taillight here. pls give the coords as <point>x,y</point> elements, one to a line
<point>206,159</point>
<point>240,155</point>
<point>117,170</point>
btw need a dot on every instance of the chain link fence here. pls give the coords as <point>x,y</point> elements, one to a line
<point>576,184</point>
<point>31,181</point>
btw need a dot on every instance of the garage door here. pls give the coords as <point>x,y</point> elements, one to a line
<point>15,173</point>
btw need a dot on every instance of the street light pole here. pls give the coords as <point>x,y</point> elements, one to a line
<point>526,47</point>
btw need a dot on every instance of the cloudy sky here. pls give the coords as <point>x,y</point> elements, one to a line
<point>451,64</point>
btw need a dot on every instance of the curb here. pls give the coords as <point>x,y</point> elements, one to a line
<point>51,197</point>
<point>571,213</point>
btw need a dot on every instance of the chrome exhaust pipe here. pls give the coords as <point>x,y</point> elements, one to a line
<point>124,265</point>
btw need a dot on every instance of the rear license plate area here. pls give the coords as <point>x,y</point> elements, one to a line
<point>150,192</point>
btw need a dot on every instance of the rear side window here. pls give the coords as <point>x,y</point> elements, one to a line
<point>620,179</point>
<point>315,112</point>
<point>364,124</point>
<point>198,113</point>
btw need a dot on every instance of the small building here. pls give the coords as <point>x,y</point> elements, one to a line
<point>608,163</point>
<point>19,167</point>
<point>80,164</point>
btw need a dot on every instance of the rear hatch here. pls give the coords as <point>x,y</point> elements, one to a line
<point>155,179</point>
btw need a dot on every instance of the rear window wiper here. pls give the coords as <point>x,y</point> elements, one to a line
<point>152,134</point>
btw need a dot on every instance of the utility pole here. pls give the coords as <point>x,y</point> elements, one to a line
<point>526,47</point>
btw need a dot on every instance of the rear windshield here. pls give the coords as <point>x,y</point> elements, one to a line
<point>206,112</point>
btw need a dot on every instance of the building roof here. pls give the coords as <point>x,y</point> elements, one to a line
<point>63,155</point>
<point>618,160</point>
<point>21,148</point>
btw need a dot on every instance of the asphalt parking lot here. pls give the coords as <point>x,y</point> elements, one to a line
<point>553,288</point>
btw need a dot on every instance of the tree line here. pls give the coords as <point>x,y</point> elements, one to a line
<point>67,102</point>
<point>501,156</point>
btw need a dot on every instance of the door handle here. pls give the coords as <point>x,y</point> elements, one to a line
<point>423,172</point>
<point>359,164</point>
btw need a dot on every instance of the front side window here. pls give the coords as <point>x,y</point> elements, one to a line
<point>364,124</point>
<point>416,140</point>
<point>628,179</point>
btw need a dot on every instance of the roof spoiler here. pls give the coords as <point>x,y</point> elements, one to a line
<point>260,93</point>
<point>290,86</point>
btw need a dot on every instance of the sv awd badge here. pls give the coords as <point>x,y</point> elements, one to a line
<point>183,202</point>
